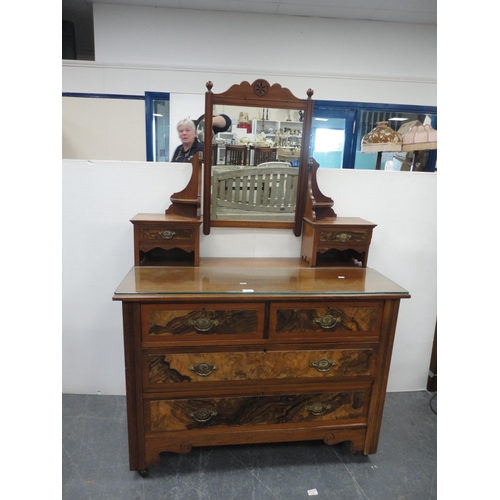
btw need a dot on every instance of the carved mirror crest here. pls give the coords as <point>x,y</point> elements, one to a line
<point>255,175</point>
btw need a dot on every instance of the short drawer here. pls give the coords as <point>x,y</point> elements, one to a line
<point>198,322</point>
<point>187,368</point>
<point>320,321</point>
<point>186,414</point>
<point>166,234</point>
<point>346,237</point>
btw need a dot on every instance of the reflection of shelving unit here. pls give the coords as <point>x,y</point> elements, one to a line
<point>269,127</point>
<point>295,128</point>
<point>221,148</point>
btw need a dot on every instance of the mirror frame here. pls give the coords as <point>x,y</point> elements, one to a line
<point>259,94</point>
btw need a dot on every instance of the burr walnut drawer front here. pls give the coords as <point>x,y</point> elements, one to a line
<point>343,321</point>
<point>166,233</point>
<point>162,370</point>
<point>199,413</point>
<point>201,323</point>
<point>347,237</point>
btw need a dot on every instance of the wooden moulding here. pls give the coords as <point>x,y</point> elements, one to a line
<point>183,441</point>
<point>260,89</point>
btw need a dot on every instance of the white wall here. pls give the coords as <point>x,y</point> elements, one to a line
<point>142,49</point>
<point>295,47</point>
<point>100,198</point>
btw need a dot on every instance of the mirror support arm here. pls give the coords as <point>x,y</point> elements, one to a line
<point>304,161</point>
<point>207,164</point>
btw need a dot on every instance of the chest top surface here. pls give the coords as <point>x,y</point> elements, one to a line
<point>254,277</point>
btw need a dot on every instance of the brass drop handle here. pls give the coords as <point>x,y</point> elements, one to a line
<point>203,415</point>
<point>203,323</point>
<point>343,237</point>
<point>167,234</point>
<point>318,408</point>
<point>327,321</point>
<point>203,369</point>
<point>323,365</point>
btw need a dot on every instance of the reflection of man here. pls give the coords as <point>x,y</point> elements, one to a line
<point>220,123</point>
<point>190,144</point>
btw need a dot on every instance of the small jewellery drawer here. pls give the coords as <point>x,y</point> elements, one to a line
<point>196,322</point>
<point>198,413</point>
<point>339,236</point>
<point>166,234</point>
<point>320,321</point>
<point>167,369</point>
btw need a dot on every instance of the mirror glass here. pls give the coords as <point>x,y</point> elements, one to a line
<point>255,172</point>
<point>255,164</point>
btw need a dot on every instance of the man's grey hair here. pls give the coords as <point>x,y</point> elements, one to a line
<point>189,123</point>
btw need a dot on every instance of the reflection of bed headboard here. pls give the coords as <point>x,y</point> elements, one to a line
<point>237,192</point>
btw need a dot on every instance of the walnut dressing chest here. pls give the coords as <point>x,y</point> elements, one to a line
<point>266,350</point>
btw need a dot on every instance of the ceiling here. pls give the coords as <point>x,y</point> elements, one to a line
<point>402,11</point>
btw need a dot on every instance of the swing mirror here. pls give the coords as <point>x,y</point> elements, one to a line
<point>255,174</point>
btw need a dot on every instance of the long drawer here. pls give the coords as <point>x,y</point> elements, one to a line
<point>166,415</point>
<point>196,323</point>
<point>165,370</point>
<point>341,321</point>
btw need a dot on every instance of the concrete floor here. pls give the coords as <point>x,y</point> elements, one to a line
<point>95,460</point>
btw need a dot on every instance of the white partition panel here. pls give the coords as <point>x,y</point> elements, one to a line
<point>100,198</point>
